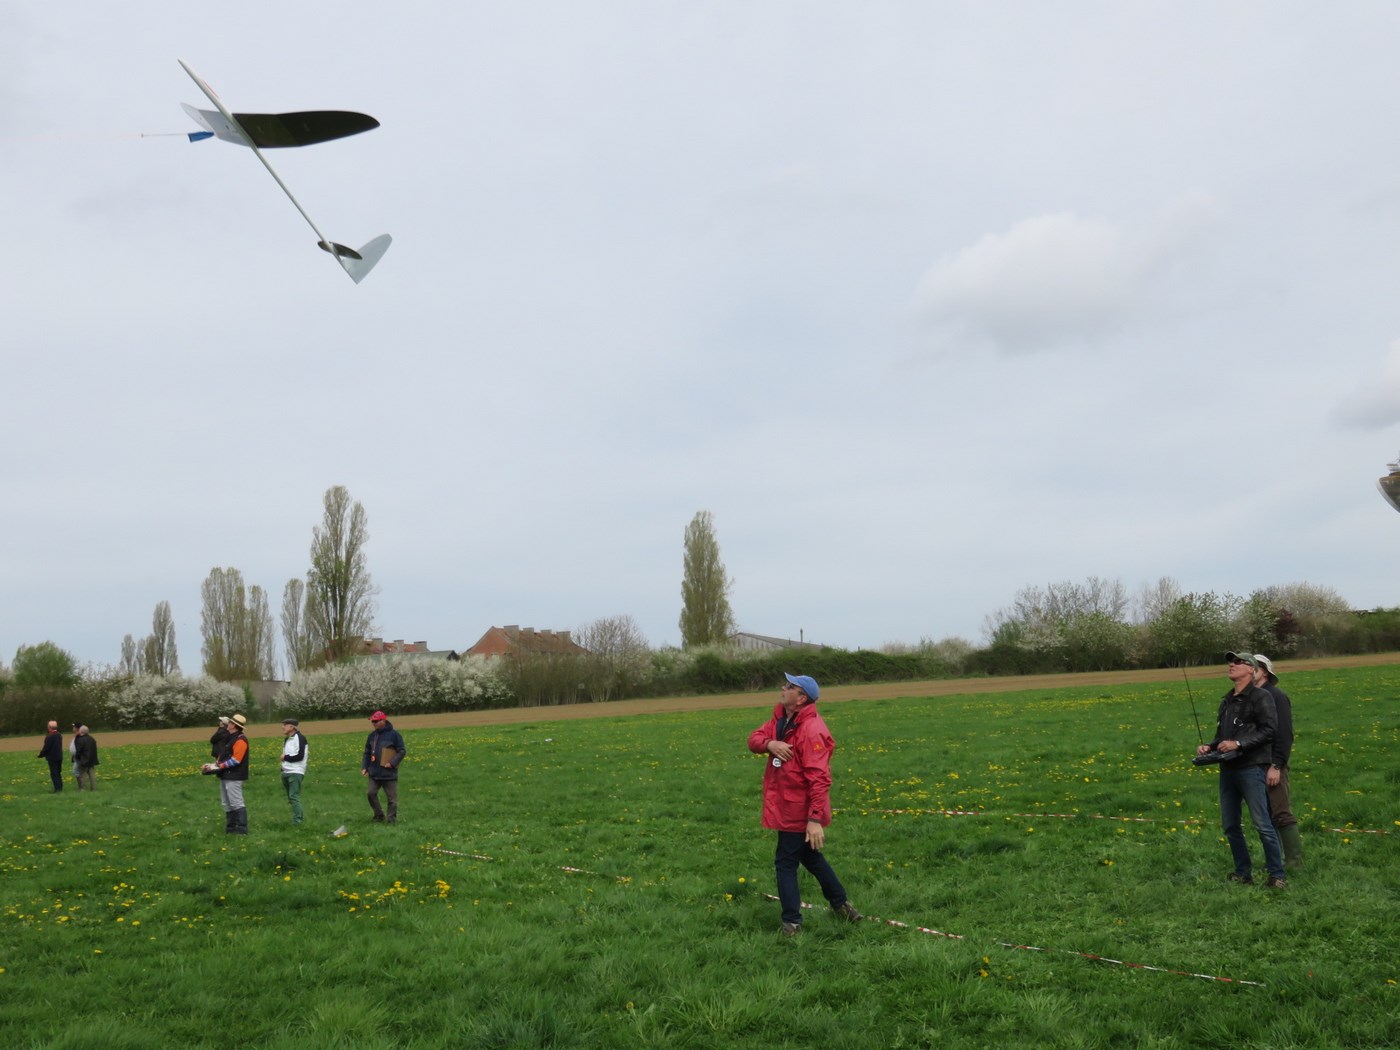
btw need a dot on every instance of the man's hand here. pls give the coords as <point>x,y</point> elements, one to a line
<point>1273,777</point>
<point>816,835</point>
<point>1202,749</point>
<point>364,772</point>
<point>780,750</point>
<point>1227,746</point>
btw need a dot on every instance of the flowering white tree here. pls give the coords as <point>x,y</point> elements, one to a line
<point>398,685</point>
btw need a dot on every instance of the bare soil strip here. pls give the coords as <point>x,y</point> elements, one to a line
<point>761,702</point>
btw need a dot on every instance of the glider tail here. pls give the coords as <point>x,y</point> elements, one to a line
<point>358,264</point>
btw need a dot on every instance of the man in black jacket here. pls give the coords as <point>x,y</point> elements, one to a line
<point>1246,726</point>
<point>85,757</point>
<point>53,751</point>
<point>1280,805</point>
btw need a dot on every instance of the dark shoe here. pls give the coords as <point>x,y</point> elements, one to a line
<point>848,912</point>
<point>790,929</point>
<point>1243,880</point>
<point>378,818</point>
<point>1275,883</point>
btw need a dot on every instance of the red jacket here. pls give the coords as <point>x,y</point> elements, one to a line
<point>799,789</point>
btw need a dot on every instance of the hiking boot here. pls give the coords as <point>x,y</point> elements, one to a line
<point>848,912</point>
<point>1275,883</point>
<point>1243,880</point>
<point>790,929</point>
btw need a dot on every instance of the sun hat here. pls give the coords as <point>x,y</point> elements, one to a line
<point>1260,660</point>
<point>239,719</point>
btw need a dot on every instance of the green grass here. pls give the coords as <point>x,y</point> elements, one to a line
<point>128,919</point>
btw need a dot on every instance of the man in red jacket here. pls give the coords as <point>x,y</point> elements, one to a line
<point>797,797</point>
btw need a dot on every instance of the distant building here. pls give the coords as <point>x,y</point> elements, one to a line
<point>525,641</point>
<point>763,642</point>
<point>377,648</point>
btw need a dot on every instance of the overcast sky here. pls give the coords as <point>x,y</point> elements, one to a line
<point>925,302</point>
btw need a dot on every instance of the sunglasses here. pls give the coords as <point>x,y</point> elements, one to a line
<point>1237,660</point>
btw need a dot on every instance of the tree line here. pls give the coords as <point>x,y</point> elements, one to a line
<point>1094,624</point>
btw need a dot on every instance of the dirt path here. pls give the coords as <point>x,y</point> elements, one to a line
<point>759,701</point>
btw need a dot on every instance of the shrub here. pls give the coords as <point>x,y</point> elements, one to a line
<point>152,701</point>
<point>396,686</point>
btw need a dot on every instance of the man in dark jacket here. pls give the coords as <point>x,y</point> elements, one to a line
<point>797,798</point>
<point>383,752</point>
<point>85,758</point>
<point>52,750</point>
<point>1280,805</point>
<point>220,737</point>
<point>1245,727</point>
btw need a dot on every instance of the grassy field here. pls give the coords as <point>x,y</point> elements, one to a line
<point>602,883</point>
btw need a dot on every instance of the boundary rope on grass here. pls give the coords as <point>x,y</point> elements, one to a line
<point>909,926</point>
<point>1063,951</point>
<point>1078,816</point>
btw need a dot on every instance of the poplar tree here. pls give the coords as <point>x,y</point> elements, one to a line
<point>706,618</point>
<point>339,610</point>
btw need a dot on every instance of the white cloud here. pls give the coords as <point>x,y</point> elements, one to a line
<point>1054,279</point>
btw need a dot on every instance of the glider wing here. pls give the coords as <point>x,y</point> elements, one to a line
<point>260,131</point>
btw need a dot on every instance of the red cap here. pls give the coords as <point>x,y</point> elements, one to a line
<point>378,716</point>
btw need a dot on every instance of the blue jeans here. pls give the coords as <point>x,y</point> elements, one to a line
<point>792,850</point>
<point>1246,784</point>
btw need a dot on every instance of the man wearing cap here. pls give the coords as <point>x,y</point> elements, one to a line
<point>383,752</point>
<point>232,770</point>
<point>85,758</point>
<point>797,797</point>
<point>1280,806</point>
<point>52,750</point>
<point>1245,729</point>
<point>294,755</point>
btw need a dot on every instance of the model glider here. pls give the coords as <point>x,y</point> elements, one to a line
<point>260,131</point>
<point>1390,484</point>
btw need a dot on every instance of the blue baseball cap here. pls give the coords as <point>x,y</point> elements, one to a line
<point>806,683</point>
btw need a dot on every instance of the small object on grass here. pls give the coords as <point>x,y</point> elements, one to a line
<point>339,833</point>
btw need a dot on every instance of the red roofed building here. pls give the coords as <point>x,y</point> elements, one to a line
<point>523,641</point>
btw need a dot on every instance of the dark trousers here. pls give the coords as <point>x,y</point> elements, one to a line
<point>391,795</point>
<point>793,850</point>
<point>56,774</point>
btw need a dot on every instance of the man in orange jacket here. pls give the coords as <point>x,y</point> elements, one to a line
<point>797,797</point>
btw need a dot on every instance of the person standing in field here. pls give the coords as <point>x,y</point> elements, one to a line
<point>216,742</point>
<point>73,754</point>
<point>1280,805</point>
<point>384,750</point>
<point>52,750</point>
<point>232,770</point>
<point>797,798</point>
<point>294,755</point>
<point>85,758</point>
<point>1247,724</point>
